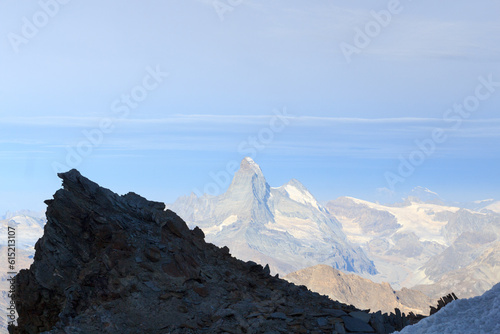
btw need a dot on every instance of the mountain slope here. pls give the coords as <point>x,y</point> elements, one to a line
<point>398,239</point>
<point>360,292</point>
<point>285,227</point>
<point>469,281</point>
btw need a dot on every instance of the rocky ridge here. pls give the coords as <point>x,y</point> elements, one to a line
<point>122,264</point>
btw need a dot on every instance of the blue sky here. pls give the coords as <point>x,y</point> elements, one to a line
<point>171,92</point>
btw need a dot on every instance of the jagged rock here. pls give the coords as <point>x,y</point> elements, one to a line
<point>445,300</point>
<point>122,264</point>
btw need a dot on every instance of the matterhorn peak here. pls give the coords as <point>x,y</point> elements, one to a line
<point>284,227</point>
<point>248,165</point>
<point>248,182</point>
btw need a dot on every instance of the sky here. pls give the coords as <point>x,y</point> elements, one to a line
<point>165,97</point>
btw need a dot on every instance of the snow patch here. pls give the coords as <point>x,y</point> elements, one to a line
<point>495,207</point>
<point>217,228</point>
<point>417,218</point>
<point>474,315</point>
<point>483,201</point>
<point>301,197</point>
<point>301,229</point>
<point>425,190</point>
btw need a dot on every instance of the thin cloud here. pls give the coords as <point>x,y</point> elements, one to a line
<point>68,121</point>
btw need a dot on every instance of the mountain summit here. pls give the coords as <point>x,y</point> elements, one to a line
<point>284,227</point>
<point>424,195</point>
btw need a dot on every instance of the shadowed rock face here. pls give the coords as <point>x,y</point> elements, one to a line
<point>121,264</point>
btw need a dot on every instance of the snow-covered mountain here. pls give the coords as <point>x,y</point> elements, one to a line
<point>486,205</point>
<point>284,227</point>
<point>424,242</point>
<point>28,227</point>
<point>424,195</point>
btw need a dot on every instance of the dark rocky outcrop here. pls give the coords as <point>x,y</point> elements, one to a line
<point>445,300</point>
<point>122,264</point>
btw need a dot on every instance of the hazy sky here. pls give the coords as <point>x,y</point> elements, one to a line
<point>164,97</point>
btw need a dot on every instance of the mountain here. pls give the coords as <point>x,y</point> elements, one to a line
<point>38,215</point>
<point>122,264</point>
<point>398,239</point>
<point>471,280</point>
<point>424,195</point>
<point>424,243</point>
<point>484,206</point>
<point>284,227</point>
<point>360,292</point>
<point>28,227</point>
<point>494,207</point>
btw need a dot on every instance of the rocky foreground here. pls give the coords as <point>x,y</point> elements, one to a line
<point>122,264</point>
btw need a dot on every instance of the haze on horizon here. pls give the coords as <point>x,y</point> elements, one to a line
<point>161,97</point>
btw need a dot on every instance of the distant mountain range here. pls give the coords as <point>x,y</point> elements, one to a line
<point>426,244</point>
<point>423,240</point>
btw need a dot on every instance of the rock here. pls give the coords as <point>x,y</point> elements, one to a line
<point>152,254</point>
<point>322,322</point>
<point>334,312</point>
<point>198,232</point>
<point>267,271</point>
<point>363,316</point>
<point>339,328</point>
<point>355,325</point>
<point>278,315</point>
